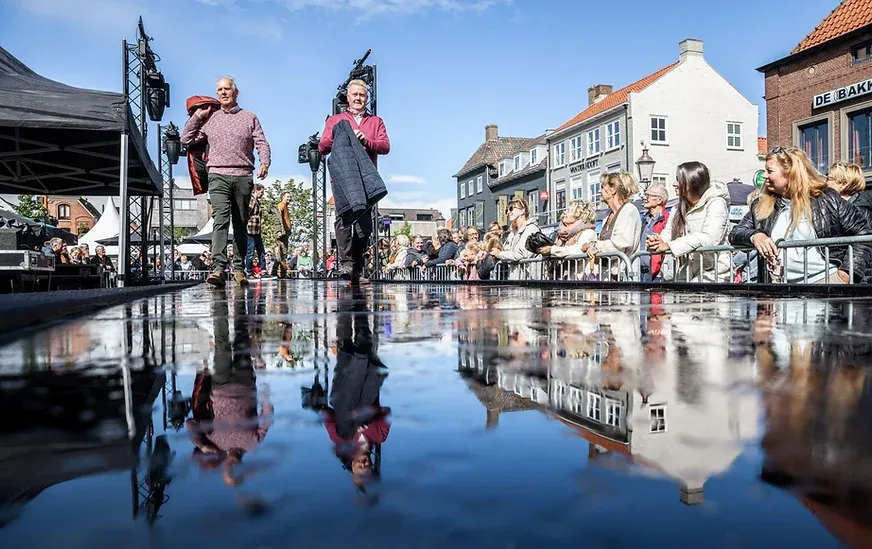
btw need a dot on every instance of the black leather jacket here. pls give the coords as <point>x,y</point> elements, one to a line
<point>832,216</point>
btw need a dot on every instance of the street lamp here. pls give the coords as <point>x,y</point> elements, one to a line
<point>172,143</point>
<point>645,165</point>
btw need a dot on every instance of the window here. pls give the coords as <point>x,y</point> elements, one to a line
<point>479,214</point>
<point>593,406</point>
<point>613,168</point>
<point>533,202</point>
<point>613,412</point>
<point>534,156</point>
<point>576,149</point>
<point>63,211</point>
<point>613,134</point>
<point>184,204</point>
<point>470,189</point>
<point>860,138</point>
<point>861,53</point>
<point>517,162</point>
<point>560,154</point>
<point>560,202</point>
<point>814,139</point>
<point>593,142</point>
<point>657,414</point>
<point>576,188</point>
<point>423,217</point>
<point>462,190</point>
<point>659,179</point>
<point>574,401</point>
<point>593,185</point>
<point>502,170</point>
<point>658,129</point>
<point>479,183</point>
<point>734,135</point>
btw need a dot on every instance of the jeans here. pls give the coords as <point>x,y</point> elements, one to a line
<point>230,196</point>
<point>255,244</point>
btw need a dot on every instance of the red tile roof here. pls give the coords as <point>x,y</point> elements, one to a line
<point>616,98</point>
<point>848,16</point>
<point>762,145</point>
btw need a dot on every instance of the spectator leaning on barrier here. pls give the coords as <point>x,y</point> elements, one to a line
<point>516,241</point>
<point>622,229</point>
<point>446,250</point>
<point>701,219</point>
<point>653,222</point>
<point>402,245</point>
<point>796,204</point>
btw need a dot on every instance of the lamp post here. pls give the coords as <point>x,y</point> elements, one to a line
<point>645,166</point>
<point>309,153</point>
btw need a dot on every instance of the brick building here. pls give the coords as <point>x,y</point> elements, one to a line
<point>819,97</point>
<point>74,213</point>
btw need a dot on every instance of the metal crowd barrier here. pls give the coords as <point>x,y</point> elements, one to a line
<point>618,267</point>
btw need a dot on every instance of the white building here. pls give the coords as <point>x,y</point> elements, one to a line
<point>684,111</point>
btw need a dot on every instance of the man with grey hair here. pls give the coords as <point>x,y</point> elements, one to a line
<point>654,220</point>
<point>232,134</point>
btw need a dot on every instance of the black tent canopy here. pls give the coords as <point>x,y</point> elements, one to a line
<point>60,140</point>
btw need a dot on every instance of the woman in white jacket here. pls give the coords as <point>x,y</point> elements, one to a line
<point>515,248</point>
<point>622,229</point>
<point>701,219</point>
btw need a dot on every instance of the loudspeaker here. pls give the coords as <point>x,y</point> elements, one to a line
<point>10,238</point>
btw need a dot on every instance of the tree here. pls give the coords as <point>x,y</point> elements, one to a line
<point>299,208</point>
<point>31,206</point>
<point>82,228</point>
<point>181,233</point>
<point>406,229</point>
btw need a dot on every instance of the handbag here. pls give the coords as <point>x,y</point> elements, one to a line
<point>538,240</point>
<point>485,266</point>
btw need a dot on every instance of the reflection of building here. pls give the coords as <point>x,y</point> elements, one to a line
<point>675,413</point>
<point>819,97</point>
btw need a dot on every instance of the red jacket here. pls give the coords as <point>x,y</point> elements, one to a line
<point>657,260</point>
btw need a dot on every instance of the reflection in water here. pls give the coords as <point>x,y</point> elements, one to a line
<point>226,424</point>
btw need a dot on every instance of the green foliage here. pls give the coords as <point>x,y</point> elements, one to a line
<point>406,229</point>
<point>30,206</point>
<point>299,208</point>
<point>82,228</point>
<point>181,233</point>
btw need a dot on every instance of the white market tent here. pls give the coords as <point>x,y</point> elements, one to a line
<point>205,234</point>
<point>108,226</point>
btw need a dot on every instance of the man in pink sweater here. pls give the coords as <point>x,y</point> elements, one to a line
<point>352,238</point>
<point>232,134</point>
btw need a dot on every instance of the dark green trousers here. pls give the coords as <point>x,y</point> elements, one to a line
<point>230,195</point>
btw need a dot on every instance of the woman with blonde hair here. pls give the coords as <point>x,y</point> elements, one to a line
<point>402,251</point>
<point>848,181</point>
<point>521,228</point>
<point>796,204</point>
<point>622,229</point>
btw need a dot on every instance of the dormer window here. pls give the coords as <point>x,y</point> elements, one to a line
<point>517,162</point>
<point>534,156</point>
<point>502,171</point>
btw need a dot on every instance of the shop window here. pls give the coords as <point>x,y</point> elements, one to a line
<point>814,139</point>
<point>860,138</point>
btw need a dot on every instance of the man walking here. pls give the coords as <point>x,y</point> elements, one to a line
<point>232,134</point>
<point>255,239</point>
<point>352,238</point>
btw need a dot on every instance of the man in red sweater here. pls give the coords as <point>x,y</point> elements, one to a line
<point>351,239</point>
<point>233,134</point>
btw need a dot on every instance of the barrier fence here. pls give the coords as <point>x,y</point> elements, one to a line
<point>725,264</point>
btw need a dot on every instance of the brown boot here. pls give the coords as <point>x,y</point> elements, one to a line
<point>216,278</point>
<point>240,278</point>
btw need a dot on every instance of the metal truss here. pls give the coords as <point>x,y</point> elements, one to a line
<point>166,202</point>
<point>319,216</point>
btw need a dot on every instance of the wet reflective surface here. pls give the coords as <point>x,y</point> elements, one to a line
<point>308,415</point>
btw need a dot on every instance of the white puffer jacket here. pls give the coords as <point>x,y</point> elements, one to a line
<point>516,250</point>
<point>706,224</point>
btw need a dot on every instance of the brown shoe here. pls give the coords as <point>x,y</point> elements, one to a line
<point>216,278</point>
<point>240,278</point>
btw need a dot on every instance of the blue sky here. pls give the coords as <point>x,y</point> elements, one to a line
<point>446,67</point>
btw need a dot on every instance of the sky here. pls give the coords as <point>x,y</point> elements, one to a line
<point>446,68</point>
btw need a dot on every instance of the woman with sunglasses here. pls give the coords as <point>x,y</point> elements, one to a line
<point>796,204</point>
<point>515,248</point>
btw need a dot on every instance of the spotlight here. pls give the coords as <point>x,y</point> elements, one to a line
<point>157,95</point>
<point>172,143</point>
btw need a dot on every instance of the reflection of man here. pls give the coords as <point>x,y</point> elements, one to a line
<point>351,238</point>
<point>233,134</point>
<point>226,424</point>
<point>356,421</point>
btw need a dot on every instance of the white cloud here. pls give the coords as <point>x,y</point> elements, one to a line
<point>371,8</point>
<point>113,14</point>
<point>406,179</point>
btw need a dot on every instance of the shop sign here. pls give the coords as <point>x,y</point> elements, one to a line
<point>843,94</point>
<point>586,165</point>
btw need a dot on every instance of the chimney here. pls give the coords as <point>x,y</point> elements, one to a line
<point>689,47</point>
<point>595,94</point>
<point>491,132</point>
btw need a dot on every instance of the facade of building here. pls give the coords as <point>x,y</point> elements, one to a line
<point>684,111</point>
<point>501,168</point>
<point>819,97</point>
<point>190,213</point>
<point>74,213</point>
